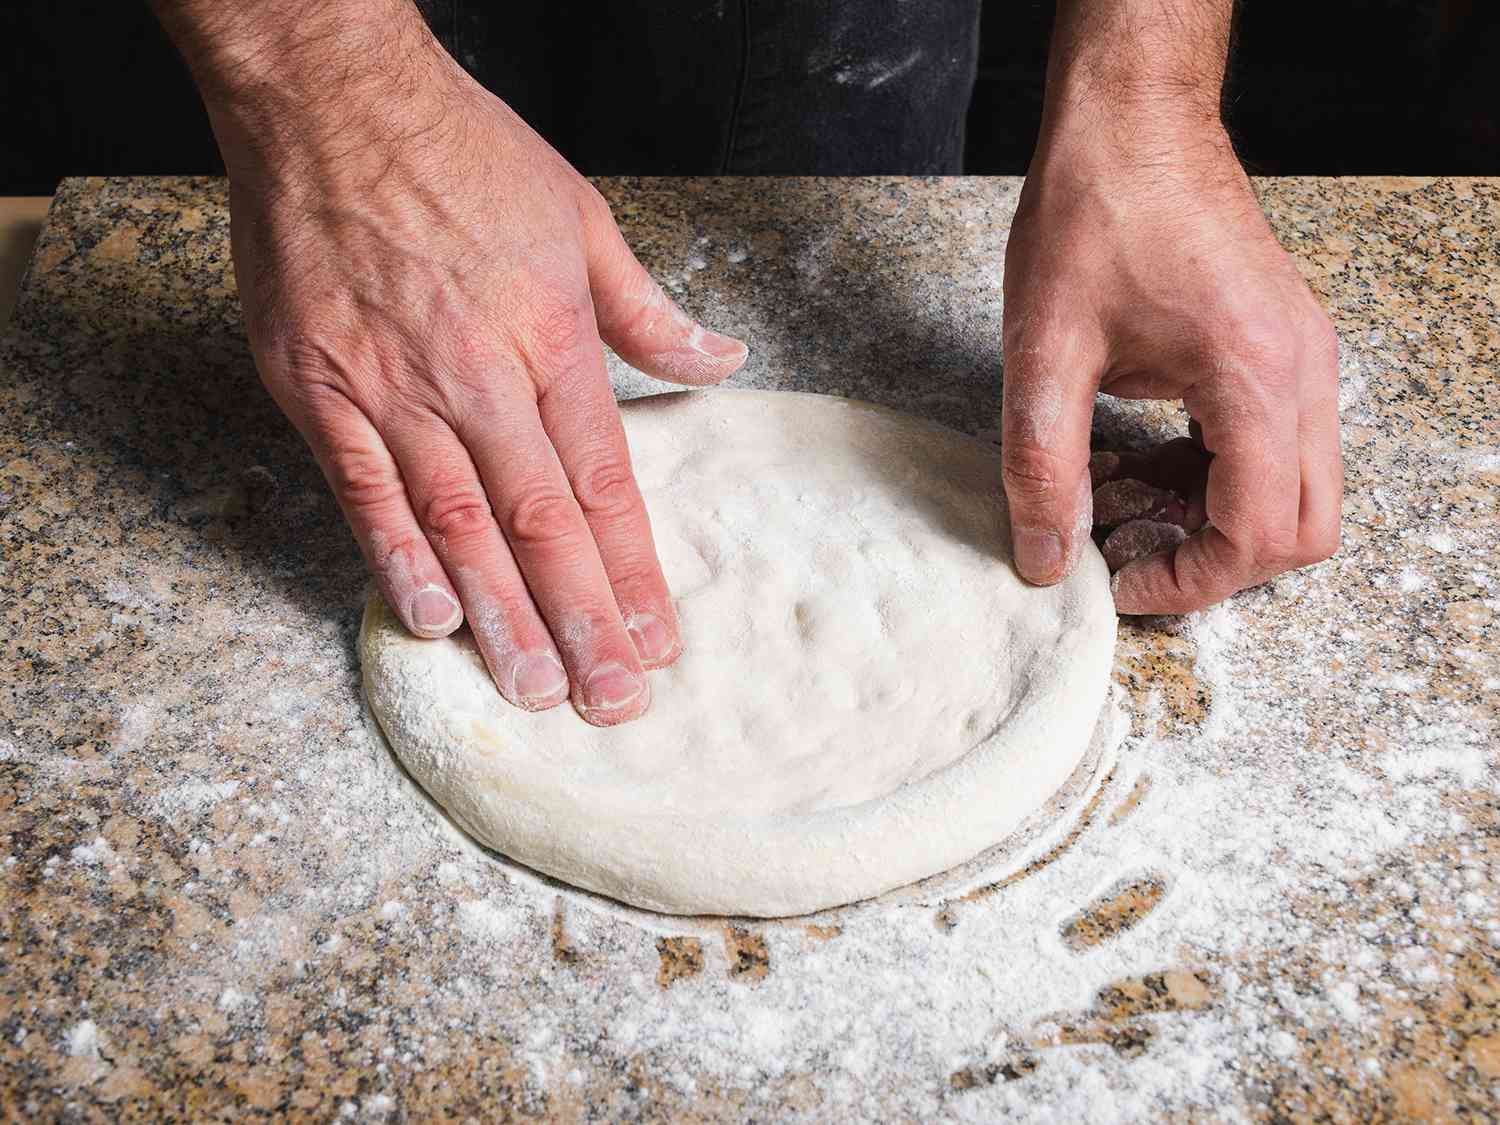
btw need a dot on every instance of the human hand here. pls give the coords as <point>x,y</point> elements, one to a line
<point>426,284</point>
<point>1147,270</point>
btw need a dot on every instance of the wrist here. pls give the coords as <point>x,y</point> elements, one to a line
<point>1140,117</point>
<point>283,80</point>
<point>1147,121</point>
<point>1151,139</point>
<point>1137,80</point>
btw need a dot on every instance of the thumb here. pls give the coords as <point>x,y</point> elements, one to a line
<point>643,325</point>
<point>1047,408</point>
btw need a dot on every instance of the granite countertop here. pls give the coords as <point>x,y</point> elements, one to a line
<point>1278,897</point>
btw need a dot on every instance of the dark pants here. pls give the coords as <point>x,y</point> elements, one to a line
<point>698,87</point>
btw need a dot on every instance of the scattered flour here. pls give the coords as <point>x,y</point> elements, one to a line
<point>1482,460</point>
<point>135,725</point>
<point>1441,542</point>
<point>1270,801</point>
<point>232,999</point>
<point>1410,581</point>
<point>488,921</point>
<point>1259,804</point>
<point>870,74</point>
<point>1359,366</point>
<point>1341,794</point>
<point>83,1040</point>
<point>195,796</point>
<point>98,853</point>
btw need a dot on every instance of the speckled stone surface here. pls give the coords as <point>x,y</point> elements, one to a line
<point>220,897</point>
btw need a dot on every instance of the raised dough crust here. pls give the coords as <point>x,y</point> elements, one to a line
<point>868,693</point>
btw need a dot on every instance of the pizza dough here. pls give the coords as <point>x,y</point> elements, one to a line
<point>868,693</point>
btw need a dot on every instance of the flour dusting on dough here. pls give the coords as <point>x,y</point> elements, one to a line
<point>818,743</point>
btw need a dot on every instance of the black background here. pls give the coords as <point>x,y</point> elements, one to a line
<point>1386,86</point>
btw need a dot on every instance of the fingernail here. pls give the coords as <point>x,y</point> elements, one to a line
<point>610,687</point>
<point>653,640</point>
<point>1039,554</point>
<point>722,347</point>
<point>433,610</point>
<point>538,677</point>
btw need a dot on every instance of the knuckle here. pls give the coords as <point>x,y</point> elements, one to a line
<point>305,347</point>
<point>1274,549</point>
<point>324,398</point>
<point>361,476</point>
<point>558,324</point>
<point>608,490</point>
<point>637,579</point>
<point>1320,546</point>
<point>456,511</point>
<point>316,359</point>
<point>541,517</point>
<point>593,208</point>
<point>1029,471</point>
<point>1023,341</point>
<point>393,558</point>
<point>1015,333</point>
<point>647,306</point>
<point>503,620</point>
<point>1029,323</point>
<point>1265,346</point>
<point>324,376</point>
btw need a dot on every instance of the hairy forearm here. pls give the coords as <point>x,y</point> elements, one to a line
<point>1160,61</point>
<point>282,74</point>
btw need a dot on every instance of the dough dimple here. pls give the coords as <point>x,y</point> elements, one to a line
<point>868,693</point>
